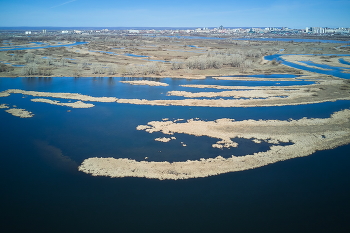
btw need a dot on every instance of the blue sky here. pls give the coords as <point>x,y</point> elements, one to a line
<point>176,13</point>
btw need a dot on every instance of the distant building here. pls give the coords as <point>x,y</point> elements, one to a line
<point>316,30</point>
<point>134,31</point>
<point>28,32</point>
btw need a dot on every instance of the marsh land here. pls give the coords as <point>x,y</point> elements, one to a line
<point>146,56</point>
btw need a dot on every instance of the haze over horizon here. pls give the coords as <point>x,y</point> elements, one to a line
<point>196,13</point>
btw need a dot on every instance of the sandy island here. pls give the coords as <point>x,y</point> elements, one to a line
<point>78,104</point>
<point>145,82</point>
<point>58,95</point>
<point>19,112</point>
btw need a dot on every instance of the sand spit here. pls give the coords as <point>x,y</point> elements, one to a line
<point>146,82</point>
<point>19,112</point>
<point>247,87</point>
<point>234,94</point>
<point>257,79</point>
<point>78,104</point>
<point>307,136</point>
<point>271,101</point>
<point>186,76</point>
<point>58,95</point>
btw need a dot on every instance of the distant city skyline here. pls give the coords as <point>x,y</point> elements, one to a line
<point>204,13</point>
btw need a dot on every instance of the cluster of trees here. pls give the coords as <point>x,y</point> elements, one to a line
<point>153,68</point>
<point>5,68</point>
<point>37,65</point>
<point>114,41</point>
<point>102,69</point>
<point>34,69</point>
<point>147,69</point>
<point>49,61</point>
<point>217,59</point>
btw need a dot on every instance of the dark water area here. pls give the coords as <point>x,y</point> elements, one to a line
<point>307,194</point>
<point>42,191</point>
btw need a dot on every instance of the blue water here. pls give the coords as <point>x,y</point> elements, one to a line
<point>195,46</point>
<point>335,71</point>
<point>185,51</point>
<point>155,60</point>
<point>42,47</point>
<point>44,192</point>
<point>18,65</point>
<point>341,60</point>
<point>134,55</point>
<point>324,66</point>
<point>14,65</point>
<point>104,120</point>
<point>113,53</point>
<point>38,43</point>
<point>113,88</point>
